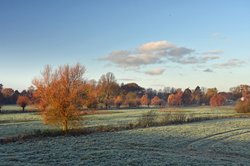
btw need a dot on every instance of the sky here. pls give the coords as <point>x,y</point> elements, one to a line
<point>155,43</point>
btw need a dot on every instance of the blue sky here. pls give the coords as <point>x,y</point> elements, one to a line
<point>158,43</point>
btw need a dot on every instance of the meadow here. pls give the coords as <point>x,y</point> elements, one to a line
<point>222,141</point>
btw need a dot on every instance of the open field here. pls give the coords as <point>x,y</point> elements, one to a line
<point>29,122</point>
<point>220,142</point>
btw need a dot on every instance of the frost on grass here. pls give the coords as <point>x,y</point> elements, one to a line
<point>215,142</point>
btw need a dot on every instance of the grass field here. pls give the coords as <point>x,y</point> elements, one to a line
<point>214,142</point>
<point>12,124</point>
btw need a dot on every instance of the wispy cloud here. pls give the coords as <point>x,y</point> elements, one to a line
<point>231,63</point>
<point>213,52</point>
<point>219,36</point>
<point>156,71</point>
<point>156,52</point>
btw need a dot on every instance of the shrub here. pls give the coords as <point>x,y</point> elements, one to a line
<point>166,119</point>
<point>148,119</point>
<point>179,118</point>
<point>243,106</point>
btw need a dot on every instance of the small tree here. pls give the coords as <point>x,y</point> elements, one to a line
<point>61,94</point>
<point>156,101</point>
<point>187,97</point>
<point>145,100</point>
<point>243,105</point>
<point>22,101</point>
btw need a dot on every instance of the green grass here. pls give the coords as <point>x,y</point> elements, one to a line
<point>215,142</point>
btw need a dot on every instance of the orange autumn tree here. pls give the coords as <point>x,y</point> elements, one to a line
<point>156,101</point>
<point>22,101</point>
<point>60,94</point>
<point>145,100</point>
<point>118,101</point>
<point>217,100</point>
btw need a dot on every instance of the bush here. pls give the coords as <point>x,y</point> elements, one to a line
<point>179,118</point>
<point>166,119</point>
<point>148,119</point>
<point>243,106</point>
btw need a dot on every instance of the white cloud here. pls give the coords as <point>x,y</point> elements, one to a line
<point>156,46</point>
<point>156,71</point>
<point>155,53</point>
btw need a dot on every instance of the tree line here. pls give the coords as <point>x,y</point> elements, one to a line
<point>107,93</point>
<point>61,94</point>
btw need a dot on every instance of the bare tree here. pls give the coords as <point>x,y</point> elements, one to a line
<point>108,89</point>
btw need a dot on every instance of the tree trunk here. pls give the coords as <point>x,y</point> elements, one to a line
<point>23,108</point>
<point>65,126</point>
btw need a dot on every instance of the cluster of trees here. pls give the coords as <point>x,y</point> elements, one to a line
<point>10,96</point>
<point>62,93</point>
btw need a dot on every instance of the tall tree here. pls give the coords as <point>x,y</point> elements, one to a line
<point>108,89</point>
<point>61,94</point>
<point>210,93</point>
<point>197,96</point>
<point>187,97</point>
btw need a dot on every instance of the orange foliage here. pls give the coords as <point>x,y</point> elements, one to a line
<point>145,100</point>
<point>118,101</point>
<point>22,101</point>
<point>217,100</point>
<point>156,101</point>
<point>61,94</point>
<point>175,99</point>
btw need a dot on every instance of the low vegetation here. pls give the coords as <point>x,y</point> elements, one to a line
<point>202,143</point>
